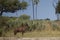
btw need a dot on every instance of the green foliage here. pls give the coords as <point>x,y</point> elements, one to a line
<point>47,19</point>
<point>3,25</point>
<point>16,22</point>
<point>11,6</point>
<point>23,5</point>
<point>0,32</point>
<point>36,2</point>
<point>38,25</point>
<point>24,17</point>
<point>41,27</point>
<point>55,27</point>
<point>58,7</point>
<point>3,21</point>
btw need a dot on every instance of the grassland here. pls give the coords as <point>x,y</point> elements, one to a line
<point>36,34</point>
<point>51,29</point>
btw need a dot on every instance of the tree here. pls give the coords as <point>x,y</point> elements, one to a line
<point>3,21</point>
<point>24,17</point>
<point>58,10</point>
<point>11,6</point>
<point>3,25</point>
<point>36,3</point>
<point>33,8</point>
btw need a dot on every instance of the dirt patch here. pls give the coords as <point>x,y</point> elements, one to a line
<point>40,38</point>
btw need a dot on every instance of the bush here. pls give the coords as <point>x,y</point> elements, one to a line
<point>41,27</point>
<point>55,27</point>
<point>0,32</point>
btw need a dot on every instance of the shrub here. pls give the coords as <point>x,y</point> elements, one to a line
<point>55,27</point>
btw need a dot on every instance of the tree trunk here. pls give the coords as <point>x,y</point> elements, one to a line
<point>58,17</point>
<point>33,8</point>
<point>36,11</point>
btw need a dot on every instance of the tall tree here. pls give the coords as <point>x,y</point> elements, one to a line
<point>56,5</point>
<point>33,8</point>
<point>11,6</point>
<point>36,3</point>
<point>58,10</point>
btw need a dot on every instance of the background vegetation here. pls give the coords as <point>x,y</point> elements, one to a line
<point>43,27</point>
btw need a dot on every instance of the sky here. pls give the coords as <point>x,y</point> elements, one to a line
<point>45,10</point>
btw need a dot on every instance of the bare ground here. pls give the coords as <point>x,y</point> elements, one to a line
<point>40,38</point>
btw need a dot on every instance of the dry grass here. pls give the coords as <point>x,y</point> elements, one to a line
<point>48,32</point>
<point>36,34</point>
